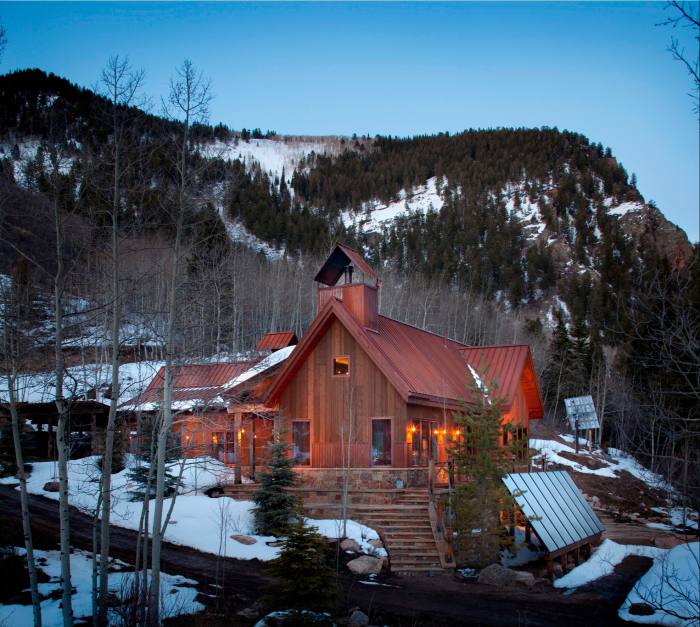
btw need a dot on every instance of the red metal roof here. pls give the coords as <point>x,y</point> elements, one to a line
<point>506,368</point>
<point>425,368</point>
<point>192,382</point>
<point>340,257</point>
<point>430,364</point>
<point>276,339</point>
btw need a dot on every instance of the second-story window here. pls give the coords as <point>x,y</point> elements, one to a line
<point>341,366</point>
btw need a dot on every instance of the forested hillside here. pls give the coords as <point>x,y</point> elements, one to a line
<point>502,235</point>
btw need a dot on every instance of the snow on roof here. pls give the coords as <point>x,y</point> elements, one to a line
<point>271,360</point>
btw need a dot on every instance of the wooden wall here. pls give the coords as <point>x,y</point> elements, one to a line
<point>329,401</point>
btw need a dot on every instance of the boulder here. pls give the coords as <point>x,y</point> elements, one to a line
<point>51,486</point>
<point>244,539</point>
<point>641,609</point>
<point>497,575</point>
<point>557,570</point>
<point>366,565</point>
<point>358,618</point>
<point>350,545</point>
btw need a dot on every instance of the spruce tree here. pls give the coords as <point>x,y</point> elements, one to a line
<point>303,579</point>
<point>273,506</point>
<point>483,454</point>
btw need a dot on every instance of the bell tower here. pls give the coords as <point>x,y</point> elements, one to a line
<point>347,277</point>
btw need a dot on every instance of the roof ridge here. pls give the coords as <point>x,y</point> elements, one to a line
<point>469,346</point>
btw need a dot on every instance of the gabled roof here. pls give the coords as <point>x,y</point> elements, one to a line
<point>341,257</point>
<point>276,339</point>
<point>424,368</point>
<point>507,367</point>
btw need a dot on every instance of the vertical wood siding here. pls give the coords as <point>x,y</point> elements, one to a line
<point>315,394</point>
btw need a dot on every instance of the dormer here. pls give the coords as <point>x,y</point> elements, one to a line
<point>347,277</point>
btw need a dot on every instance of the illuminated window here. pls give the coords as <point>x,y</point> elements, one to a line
<point>341,366</point>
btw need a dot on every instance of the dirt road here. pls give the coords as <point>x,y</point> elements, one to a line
<point>416,600</point>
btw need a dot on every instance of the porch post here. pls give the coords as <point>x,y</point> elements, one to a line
<point>237,447</point>
<point>251,448</point>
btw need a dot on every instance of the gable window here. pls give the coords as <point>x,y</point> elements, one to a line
<point>301,442</point>
<point>341,366</point>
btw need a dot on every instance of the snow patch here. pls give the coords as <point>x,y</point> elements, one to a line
<point>178,593</point>
<point>375,215</point>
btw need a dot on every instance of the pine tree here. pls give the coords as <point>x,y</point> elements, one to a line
<point>273,506</point>
<point>303,577</point>
<point>140,474</point>
<point>483,454</point>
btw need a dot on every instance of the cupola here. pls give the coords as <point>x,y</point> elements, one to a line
<point>347,277</point>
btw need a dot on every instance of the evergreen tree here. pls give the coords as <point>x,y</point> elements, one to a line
<point>555,377</point>
<point>483,454</point>
<point>303,577</point>
<point>139,473</point>
<point>273,506</point>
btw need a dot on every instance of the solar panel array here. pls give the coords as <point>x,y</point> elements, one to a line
<point>555,507</point>
<point>583,409</point>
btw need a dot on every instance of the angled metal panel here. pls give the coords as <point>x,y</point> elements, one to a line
<point>582,408</point>
<point>555,507</point>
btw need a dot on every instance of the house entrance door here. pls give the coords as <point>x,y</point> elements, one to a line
<point>424,443</point>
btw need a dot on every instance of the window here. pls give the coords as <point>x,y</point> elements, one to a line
<point>381,442</point>
<point>301,442</point>
<point>341,366</point>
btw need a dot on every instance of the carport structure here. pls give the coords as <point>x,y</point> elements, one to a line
<point>556,510</point>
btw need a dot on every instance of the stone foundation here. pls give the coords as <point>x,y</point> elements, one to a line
<point>362,478</point>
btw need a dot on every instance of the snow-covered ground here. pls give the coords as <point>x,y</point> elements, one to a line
<point>603,561</point>
<point>39,387</point>
<point>671,586</point>
<point>178,593</point>
<point>198,521</point>
<point>375,215</point>
<point>612,464</point>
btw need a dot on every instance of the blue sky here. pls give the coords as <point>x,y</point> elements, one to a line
<point>403,69</point>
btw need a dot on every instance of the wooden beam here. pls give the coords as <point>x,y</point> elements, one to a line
<point>237,447</point>
<point>251,448</point>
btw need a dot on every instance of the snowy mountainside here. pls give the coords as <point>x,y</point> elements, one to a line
<point>375,215</point>
<point>273,156</point>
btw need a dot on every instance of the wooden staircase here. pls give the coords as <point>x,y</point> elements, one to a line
<point>405,529</point>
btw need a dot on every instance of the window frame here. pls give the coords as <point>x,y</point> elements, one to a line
<point>340,375</point>
<point>391,442</point>
<point>309,463</point>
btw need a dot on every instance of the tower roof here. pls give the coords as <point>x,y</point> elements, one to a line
<point>340,258</point>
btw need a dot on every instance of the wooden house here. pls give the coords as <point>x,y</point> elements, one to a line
<point>217,408</point>
<point>367,392</point>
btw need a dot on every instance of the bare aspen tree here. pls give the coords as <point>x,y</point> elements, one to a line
<point>120,84</point>
<point>188,102</point>
<point>62,405</point>
<point>11,348</point>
